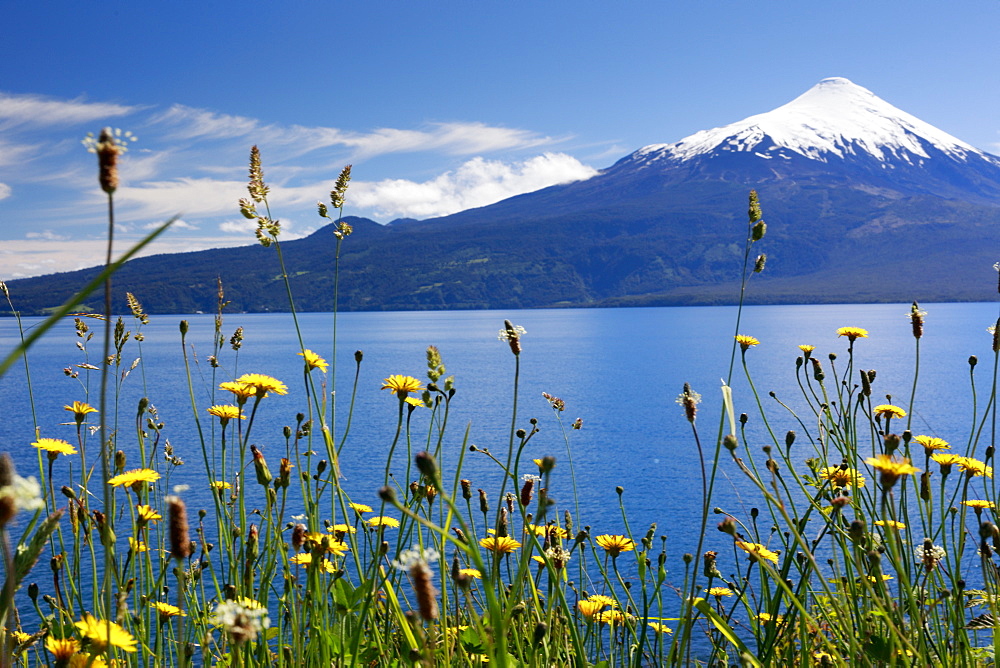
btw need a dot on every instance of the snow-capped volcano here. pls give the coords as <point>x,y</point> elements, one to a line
<point>836,118</point>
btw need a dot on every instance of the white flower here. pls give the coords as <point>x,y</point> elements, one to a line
<point>519,331</point>
<point>25,492</point>
<point>408,558</point>
<point>528,476</point>
<point>241,622</point>
<point>684,397</point>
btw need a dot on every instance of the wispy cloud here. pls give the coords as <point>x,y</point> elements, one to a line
<point>191,123</point>
<point>5,191</point>
<point>41,111</point>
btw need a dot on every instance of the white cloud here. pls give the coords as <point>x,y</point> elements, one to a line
<point>178,224</point>
<point>39,110</point>
<point>192,197</point>
<point>48,235</point>
<point>5,191</point>
<point>192,122</point>
<point>475,183</point>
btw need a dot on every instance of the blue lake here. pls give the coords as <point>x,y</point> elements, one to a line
<point>619,370</point>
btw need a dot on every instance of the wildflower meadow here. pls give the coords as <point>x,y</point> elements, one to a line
<point>877,548</point>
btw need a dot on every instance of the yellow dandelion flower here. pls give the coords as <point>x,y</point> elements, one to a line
<point>314,361</point>
<point>892,524</point>
<point>416,403</point>
<point>219,485</point>
<point>589,608</point>
<point>660,628</point>
<point>262,384</point>
<point>383,521</point>
<point>471,572</point>
<point>979,503</point>
<point>62,649</point>
<point>84,660</point>
<point>612,617</point>
<point>134,477</point>
<point>758,551</point>
<point>888,411</point>
<point>603,600</point>
<point>537,559</point>
<point>80,409</point>
<point>853,333</point>
<point>360,507</point>
<point>946,459</point>
<point>973,467</point>
<point>720,591</point>
<point>615,544</point>
<point>842,477</point>
<point>890,469</point>
<point>242,392</point>
<point>250,603</point>
<point>806,348</point>
<point>305,559</point>
<point>227,412</point>
<point>137,546</point>
<point>746,341</point>
<point>21,637</point>
<point>885,577</point>
<point>103,634</point>
<point>932,443</point>
<point>766,617</point>
<point>165,610</point>
<point>546,529</point>
<point>147,513</point>
<point>500,545</point>
<point>343,528</point>
<point>55,446</point>
<point>401,386</point>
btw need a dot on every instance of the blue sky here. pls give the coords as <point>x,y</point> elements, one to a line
<point>440,106</point>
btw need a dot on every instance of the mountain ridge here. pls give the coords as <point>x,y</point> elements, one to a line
<point>884,209</point>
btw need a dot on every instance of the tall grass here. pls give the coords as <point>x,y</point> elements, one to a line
<point>875,549</point>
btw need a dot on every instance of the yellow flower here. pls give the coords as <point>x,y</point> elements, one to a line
<point>21,636</point>
<point>62,649</point>
<point>80,409</point>
<point>612,617</point>
<point>766,617</point>
<point>615,544</point>
<point>538,559</point>
<point>137,546</point>
<point>227,412</point>
<point>603,600</point>
<point>806,348</point>
<point>382,521</point>
<point>104,633</point>
<point>545,529</point>
<point>746,341</point>
<point>501,545</point>
<point>166,610</point>
<point>314,361</point>
<point>84,660</point>
<point>343,528</point>
<point>932,443</point>
<point>946,459</point>
<point>979,503</point>
<point>893,524</point>
<point>471,572</point>
<point>660,628</point>
<point>589,608</point>
<point>416,403</point>
<point>219,485</point>
<point>890,469</point>
<point>757,551</point>
<point>888,411</point>
<point>360,507</point>
<point>242,392</point>
<point>55,446</point>
<point>841,477</point>
<point>305,559</point>
<point>974,467</point>
<point>147,514</point>
<point>720,591</point>
<point>853,333</point>
<point>134,477</point>
<point>262,384</point>
<point>885,577</point>
<point>402,385</point>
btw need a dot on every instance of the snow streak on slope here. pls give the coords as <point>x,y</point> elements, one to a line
<point>834,118</point>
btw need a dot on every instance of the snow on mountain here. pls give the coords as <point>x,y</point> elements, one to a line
<point>836,118</point>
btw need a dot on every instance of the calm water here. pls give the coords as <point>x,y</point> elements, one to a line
<point>619,370</point>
